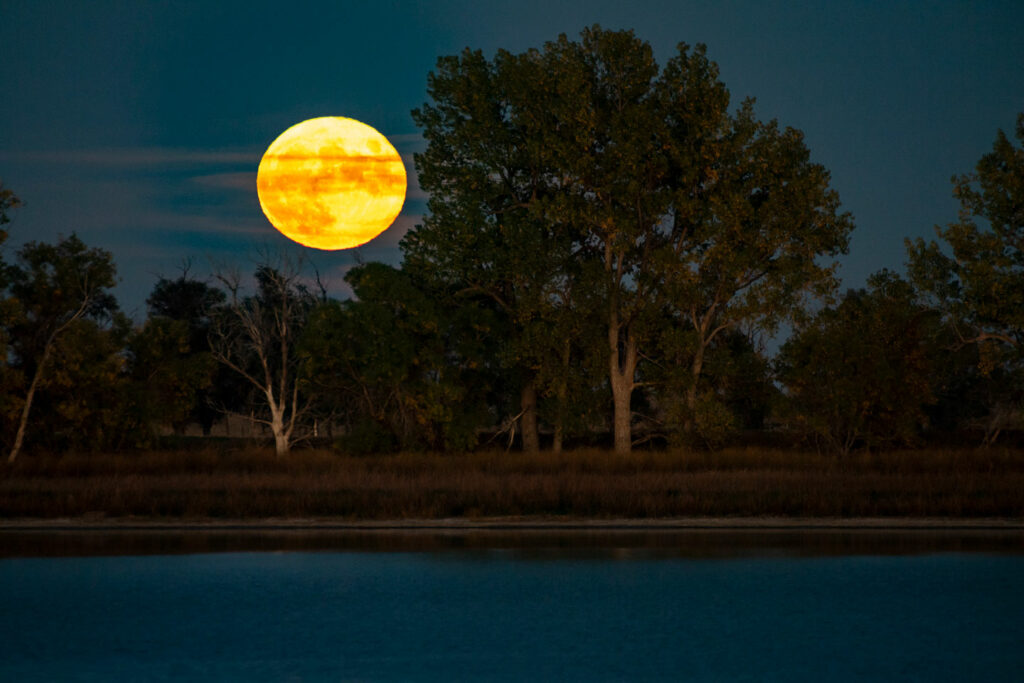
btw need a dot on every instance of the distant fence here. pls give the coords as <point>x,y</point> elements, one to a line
<point>241,427</point>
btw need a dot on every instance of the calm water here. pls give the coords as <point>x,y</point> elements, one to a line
<point>558,610</point>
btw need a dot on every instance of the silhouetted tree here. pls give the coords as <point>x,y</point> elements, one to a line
<point>8,202</point>
<point>401,362</point>
<point>168,374</point>
<point>210,389</point>
<point>52,287</point>
<point>8,310</point>
<point>863,370</point>
<point>86,401</point>
<point>977,389</point>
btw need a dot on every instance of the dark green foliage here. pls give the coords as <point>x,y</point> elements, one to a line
<point>400,362</point>
<point>85,402</point>
<point>979,287</point>
<point>978,390</point>
<point>189,300</point>
<point>53,282</point>
<point>10,378</point>
<point>591,193</point>
<point>736,391</point>
<point>8,202</point>
<point>487,239</point>
<point>52,290</point>
<point>862,372</point>
<point>201,390</point>
<point>170,376</point>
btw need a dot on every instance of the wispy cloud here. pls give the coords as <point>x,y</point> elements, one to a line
<point>200,224</point>
<point>129,157</point>
<point>156,207</point>
<point>408,140</point>
<point>394,234</point>
<point>235,180</point>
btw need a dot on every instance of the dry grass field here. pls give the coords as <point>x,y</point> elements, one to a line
<point>225,483</point>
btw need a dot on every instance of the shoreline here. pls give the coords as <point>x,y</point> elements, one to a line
<point>505,524</point>
<point>691,537</point>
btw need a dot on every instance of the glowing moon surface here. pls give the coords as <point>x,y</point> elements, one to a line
<point>331,183</point>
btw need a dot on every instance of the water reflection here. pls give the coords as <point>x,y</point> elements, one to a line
<point>532,544</point>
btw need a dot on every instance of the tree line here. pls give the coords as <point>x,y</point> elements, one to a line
<point>606,243</point>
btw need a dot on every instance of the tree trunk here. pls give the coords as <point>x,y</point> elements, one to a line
<point>528,418</point>
<point>280,444</point>
<point>277,426</point>
<point>622,393</point>
<point>622,374</point>
<point>561,395</point>
<point>690,423</point>
<point>556,443</point>
<point>19,437</point>
<point>622,355</point>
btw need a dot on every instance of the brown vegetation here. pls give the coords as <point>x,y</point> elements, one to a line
<point>254,484</point>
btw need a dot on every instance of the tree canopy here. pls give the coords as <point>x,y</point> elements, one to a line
<point>51,288</point>
<point>583,176</point>
<point>863,371</point>
<point>607,242</point>
<point>980,285</point>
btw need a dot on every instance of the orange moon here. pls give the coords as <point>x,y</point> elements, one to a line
<point>331,183</point>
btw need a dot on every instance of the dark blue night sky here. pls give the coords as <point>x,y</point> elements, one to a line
<point>140,125</point>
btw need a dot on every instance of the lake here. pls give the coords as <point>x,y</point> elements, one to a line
<point>700,606</point>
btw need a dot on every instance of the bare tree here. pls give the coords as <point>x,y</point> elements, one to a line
<point>257,337</point>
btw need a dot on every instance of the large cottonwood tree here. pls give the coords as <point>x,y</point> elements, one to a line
<point>486,236</point>
<point>691,212</point>
<point>584,167</point>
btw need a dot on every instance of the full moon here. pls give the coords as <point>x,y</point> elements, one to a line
<point>331,183</point>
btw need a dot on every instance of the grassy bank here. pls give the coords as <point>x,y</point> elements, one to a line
<point>250,484</point>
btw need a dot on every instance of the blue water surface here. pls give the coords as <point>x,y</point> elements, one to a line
<point>496,615</point>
